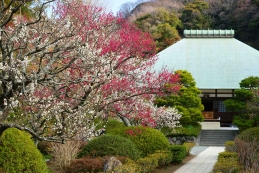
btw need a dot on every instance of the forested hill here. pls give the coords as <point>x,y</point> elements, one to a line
<point>166,19</point>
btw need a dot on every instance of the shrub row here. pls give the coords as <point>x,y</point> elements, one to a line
<point>141,165</point>
<point>246,145</point>
<point>150,144</point>
<point>148,163</point>
<point>132,142</point>
<point>147,140</point>
<point>227,162</point>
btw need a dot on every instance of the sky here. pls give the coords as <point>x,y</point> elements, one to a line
<point>110,5</point>
<point>114,5</point>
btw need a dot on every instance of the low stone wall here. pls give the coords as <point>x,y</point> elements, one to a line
<point>179,140</point>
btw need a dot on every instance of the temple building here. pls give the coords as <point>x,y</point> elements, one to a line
<point>217,61</point>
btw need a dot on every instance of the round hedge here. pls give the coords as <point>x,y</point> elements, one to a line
<point>18,153</point>
<point>146,139</point>
<point>110,145</point>
<point>250,135</point>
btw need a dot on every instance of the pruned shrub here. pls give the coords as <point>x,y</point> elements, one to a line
<point>113,124</point>
<point>179,153</point>
<point>110,145</point>
<point>147,164</point>
<point>189,146</point>
<point>230,146</point>
<point>227,155</point>
<point>250,135</point>
<point>18,153</point>
<point>129,167</point>
<point>227,162</point>
<point>226,166</point>
<point>164,157</point>
<point>146,139</point>
<point>87,164</point>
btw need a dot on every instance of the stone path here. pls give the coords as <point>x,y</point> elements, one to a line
<point>203,162</point>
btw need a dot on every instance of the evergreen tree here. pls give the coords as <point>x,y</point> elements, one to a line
<point>245,103</point>
<point>187,101</point>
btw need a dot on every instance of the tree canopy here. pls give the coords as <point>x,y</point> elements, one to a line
<point>59,73</point>
<point>245,103</point>
<point>239,15</point>
<point>163,27</point>
<point>187,101</point>
<point>195,16</point>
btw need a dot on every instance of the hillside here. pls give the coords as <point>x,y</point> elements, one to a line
<point>165,20</point>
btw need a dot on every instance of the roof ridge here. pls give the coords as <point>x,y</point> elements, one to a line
<point>209,33</point>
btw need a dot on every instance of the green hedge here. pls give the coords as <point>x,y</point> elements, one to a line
<point>18,153</point>
<point>178,152</point>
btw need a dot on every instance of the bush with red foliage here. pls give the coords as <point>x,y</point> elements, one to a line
<point>88,164</point>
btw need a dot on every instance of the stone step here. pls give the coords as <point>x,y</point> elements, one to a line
<point>216,137</point>
<point>213,144</point>
<point>219,131</point>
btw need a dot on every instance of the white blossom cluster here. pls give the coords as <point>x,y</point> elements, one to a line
<point>143,112</point>
<point>168,117</point>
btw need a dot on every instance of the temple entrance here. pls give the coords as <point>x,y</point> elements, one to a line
<point>215,111</point>
<point>208,105</point>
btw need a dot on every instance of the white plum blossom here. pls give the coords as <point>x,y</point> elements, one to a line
<point>168,117</point>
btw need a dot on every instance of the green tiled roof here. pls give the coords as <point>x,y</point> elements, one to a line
<point>215,63</point>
